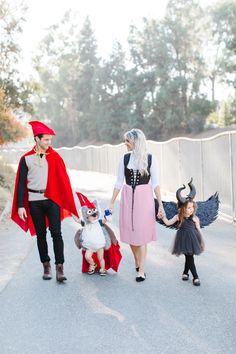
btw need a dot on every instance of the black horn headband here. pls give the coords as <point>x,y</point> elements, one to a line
<point>190,196</point>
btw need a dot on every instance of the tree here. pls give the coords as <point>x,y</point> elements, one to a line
<point>67,65</point>
<point>17,93</point>
<point>86,95</point>
<point>224,38</point>
<point>10,127</point>
<point>226,114</point>
<point>161,89</point>
<point>147,77</point>
<point>113,107</point>
<point>183,28</point>
<point>167,60</point>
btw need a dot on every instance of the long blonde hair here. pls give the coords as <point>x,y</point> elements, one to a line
<point>137,137</point>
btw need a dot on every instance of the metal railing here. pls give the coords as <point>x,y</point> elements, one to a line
<point>211,162</point>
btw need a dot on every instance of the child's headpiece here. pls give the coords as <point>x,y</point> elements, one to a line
<point>84,201</point>
<point>190,196</point>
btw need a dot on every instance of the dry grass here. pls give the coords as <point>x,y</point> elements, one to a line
<point>7,180</point>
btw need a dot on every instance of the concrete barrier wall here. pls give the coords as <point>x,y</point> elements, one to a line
<point>211,162</point>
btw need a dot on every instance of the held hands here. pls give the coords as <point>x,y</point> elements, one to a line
<point>22,213</point>
<point>161,212</point>
<point>107,215</point>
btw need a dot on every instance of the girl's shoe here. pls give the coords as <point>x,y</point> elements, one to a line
<point>185,277</point>
<point>137,269</point>
<point>102,272</point>
<point>92,268</point>
<point>196,282</point>
<point>141,278</point>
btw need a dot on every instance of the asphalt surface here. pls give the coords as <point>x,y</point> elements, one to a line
<point>114,314</point>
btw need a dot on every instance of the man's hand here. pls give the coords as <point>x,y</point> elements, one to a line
<point>22,213</point>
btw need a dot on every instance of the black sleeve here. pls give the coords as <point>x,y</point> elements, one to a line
<point>23,171</point>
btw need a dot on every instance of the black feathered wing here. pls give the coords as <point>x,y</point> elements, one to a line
<point>207,210</point>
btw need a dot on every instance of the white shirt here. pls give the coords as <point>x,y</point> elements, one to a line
<point>154,180</point>
<point>37,175</point>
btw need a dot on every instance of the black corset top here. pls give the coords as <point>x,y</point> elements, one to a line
<point>133,177</point>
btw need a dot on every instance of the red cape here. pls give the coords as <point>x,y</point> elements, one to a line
<point>58,189</point>
<point>112,258</point>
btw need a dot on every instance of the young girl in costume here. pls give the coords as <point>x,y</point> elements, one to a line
<point>188,239</point>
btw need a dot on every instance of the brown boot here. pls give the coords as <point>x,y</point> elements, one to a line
<point>47,271</point>
<point>59,273</point>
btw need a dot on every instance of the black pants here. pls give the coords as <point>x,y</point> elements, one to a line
<point>39,210</point>
<point>190,265</point>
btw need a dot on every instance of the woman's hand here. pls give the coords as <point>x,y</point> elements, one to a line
<point>115,193</point>
<point>161,212</point>
<point>111,207</point>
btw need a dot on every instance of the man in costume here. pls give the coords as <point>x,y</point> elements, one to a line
<point>43,197</point>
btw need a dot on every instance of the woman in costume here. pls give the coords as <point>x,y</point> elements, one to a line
<point>137,212</point>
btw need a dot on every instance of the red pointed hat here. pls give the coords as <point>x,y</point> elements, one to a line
<point>84,201</point>
<point>41,128</point>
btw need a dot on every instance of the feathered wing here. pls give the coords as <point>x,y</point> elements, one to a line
<point>170,210</point>
<point>207,210</point>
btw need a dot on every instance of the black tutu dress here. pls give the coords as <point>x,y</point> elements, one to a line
<point>187,239</point>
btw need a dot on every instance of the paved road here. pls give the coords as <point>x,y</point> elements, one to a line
<point>114,314</point>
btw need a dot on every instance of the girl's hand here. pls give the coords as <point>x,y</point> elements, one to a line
<point>162,217</point>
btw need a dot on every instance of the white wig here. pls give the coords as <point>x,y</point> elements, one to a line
<point>137,137</point>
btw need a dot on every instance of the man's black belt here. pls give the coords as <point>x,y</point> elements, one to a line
<point>37,191</point>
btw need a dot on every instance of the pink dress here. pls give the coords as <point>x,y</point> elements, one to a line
<point>137,210</point>
<point>137,228</point>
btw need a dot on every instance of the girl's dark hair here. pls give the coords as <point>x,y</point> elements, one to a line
<point>182,209</point>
